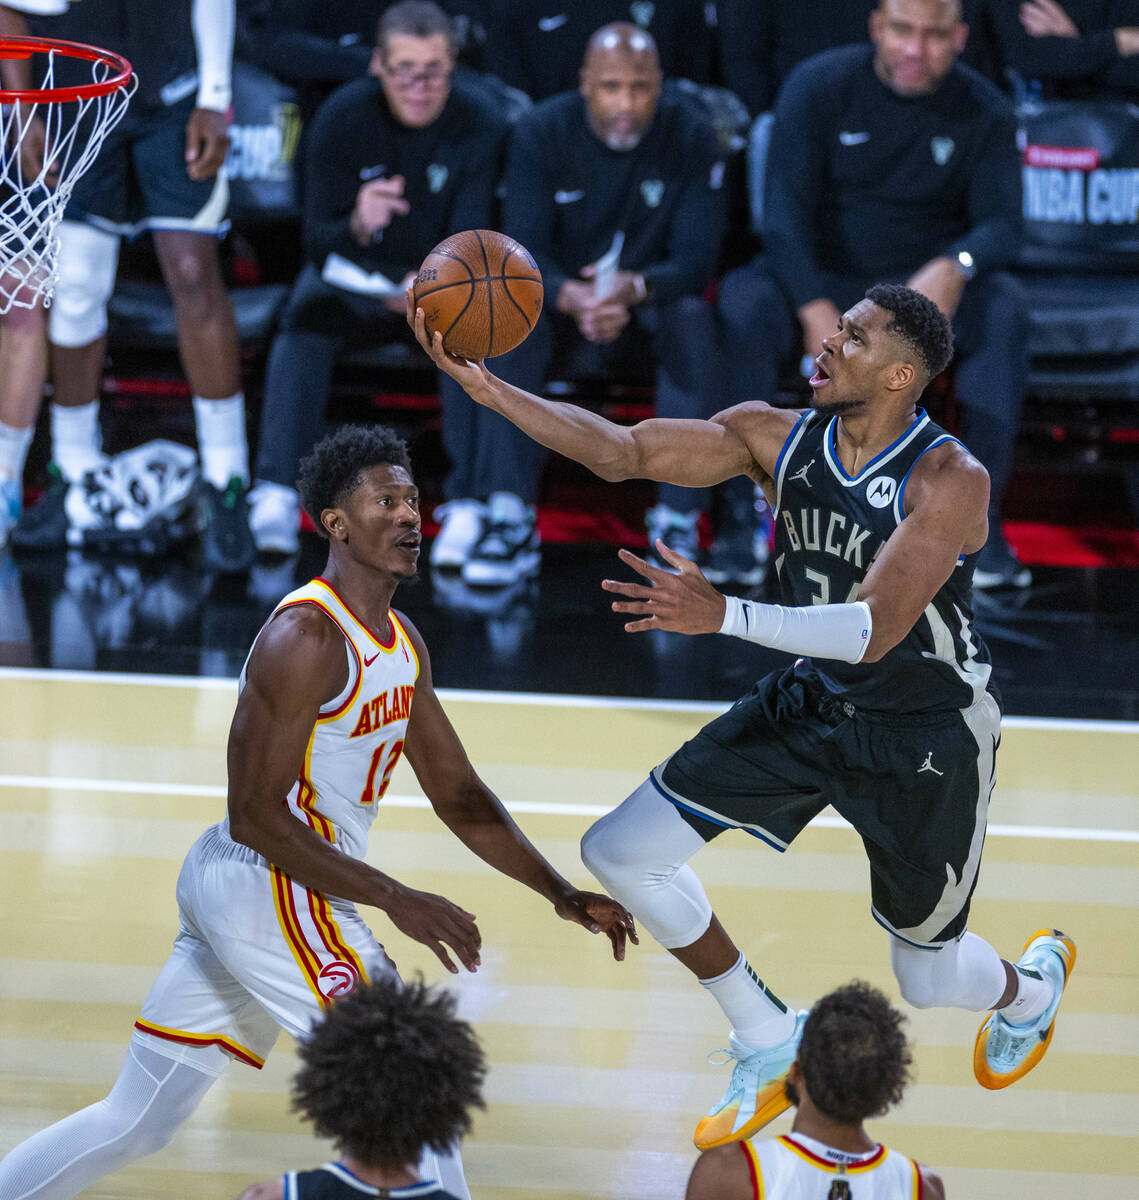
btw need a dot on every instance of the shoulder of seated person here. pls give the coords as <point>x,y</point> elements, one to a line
<point>356,92</point>
<point>468,105</point>
<point>827,66</point>
<point>989,97</point>
<point>556,115</point>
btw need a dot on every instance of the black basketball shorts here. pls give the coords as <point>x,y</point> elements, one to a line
<point>139,182</point>
<point>916,788</point>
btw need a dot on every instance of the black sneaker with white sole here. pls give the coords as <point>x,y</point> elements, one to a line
<point>508,549</point>
<point>227,543</point>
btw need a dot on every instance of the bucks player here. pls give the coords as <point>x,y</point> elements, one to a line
<point>337,687</point>
<point>889,714</point>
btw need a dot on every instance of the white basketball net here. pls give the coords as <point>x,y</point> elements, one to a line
<point>35,186</point>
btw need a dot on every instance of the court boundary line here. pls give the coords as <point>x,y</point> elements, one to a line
<point>138,787</point>
<point>530,699</point>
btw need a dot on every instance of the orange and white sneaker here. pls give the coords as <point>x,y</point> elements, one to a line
<point>1003,1051</point>
<point>755,1096</point>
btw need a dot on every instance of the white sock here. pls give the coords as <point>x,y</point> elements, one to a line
<point>76,444</point>
<point>759,1018</point>
<point>1033,995</point>
<point>222,444</point>
<point>14,445</point>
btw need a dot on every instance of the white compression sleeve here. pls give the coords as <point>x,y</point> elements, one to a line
<point>152,1097</point>
<point>839,631</point>
<point>213,22</point>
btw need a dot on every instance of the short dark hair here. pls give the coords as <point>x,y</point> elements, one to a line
<point>331,473</point>
<point>416,18</point>
<point>854,1055</point>
<point>918,322</point>
<point>389,1070</point>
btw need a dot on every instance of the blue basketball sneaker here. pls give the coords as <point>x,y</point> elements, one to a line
<point>755,1096</point>
<point>1003,1051</point>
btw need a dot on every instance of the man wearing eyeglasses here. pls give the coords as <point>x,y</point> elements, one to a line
<point>395,162</point>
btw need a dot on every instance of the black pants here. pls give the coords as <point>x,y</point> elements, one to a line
<point>761,332</point>
<point>489,454</point>
<point>319,324</point>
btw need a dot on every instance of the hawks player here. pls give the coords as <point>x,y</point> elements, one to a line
<point>337,687</point>
<point>853,1063</point>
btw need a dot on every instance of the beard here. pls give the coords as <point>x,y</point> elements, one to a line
<point>835,408</point>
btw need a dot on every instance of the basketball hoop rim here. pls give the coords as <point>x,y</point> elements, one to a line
<point>20,47</point>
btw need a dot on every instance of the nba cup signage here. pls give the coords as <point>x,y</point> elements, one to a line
<point>337,978</point>
<point>1080,175</point>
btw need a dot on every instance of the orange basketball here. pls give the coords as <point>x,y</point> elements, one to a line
<point>482,291</point>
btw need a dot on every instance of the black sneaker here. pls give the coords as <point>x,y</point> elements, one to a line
<point>508,549</point>
<point>731,560</point>
<point>998,567</point>
<point>44,525</point>
<point>678,530</point>
<point>227,544</point>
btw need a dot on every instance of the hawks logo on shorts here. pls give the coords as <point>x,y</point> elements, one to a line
<point>338,978</point>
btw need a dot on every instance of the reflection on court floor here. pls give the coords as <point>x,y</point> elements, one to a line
<point>598,1069</point>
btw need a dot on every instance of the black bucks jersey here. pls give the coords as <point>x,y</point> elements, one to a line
<point>829,526</point>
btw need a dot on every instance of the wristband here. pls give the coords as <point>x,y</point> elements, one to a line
<point>840,631</point>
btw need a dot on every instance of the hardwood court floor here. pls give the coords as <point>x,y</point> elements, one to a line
<point>598,1069</point>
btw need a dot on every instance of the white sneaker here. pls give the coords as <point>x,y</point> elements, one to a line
<point>755,1096</point>
<point>508,549</point>
<point>461,529</point>
<point>274,518</point>
<point>1004,1051</point>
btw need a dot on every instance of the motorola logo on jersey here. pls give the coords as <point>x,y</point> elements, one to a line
<point>881,491</point>
<point>338,978</point>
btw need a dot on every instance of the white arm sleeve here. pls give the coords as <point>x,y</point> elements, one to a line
<point>839,631</point>
<point>38,8</point>
<point>213,22</point>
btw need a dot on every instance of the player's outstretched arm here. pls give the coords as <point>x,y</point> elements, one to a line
<point>297,665</point>
<point>946,499</point>
<point>480,821</point>
<point>684,452</point>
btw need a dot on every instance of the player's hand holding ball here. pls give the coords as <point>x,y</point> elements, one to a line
<point>477,295</point>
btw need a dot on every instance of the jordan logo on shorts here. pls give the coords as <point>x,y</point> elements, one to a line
<point>928,765</point>
<point>801,474</point>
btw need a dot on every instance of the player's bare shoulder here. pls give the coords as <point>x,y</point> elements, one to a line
<point>948,473</point>
<point>300,647</point>
<point>948,485</point>
<point>763,428</point>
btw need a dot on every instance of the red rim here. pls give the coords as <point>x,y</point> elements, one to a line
<point>13,47</point>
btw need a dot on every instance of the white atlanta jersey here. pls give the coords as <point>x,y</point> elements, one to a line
<point>257,949</point>
<point>358,737</point>
<point>795,1167</point>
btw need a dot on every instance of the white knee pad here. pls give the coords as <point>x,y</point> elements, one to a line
<point>88,259</point>
<point>639,852</point>
<point>967,973</point>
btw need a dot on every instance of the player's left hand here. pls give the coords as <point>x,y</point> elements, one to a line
<point>600,914</point>
<point>680,602</point>
<point>206,143</point>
